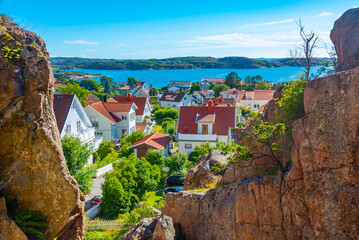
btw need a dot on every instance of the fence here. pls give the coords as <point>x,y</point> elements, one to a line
<point>103,170</point>
<point>109,225</point>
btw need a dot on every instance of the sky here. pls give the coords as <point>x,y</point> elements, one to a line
<point>139,29</point>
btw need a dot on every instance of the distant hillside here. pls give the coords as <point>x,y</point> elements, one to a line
<point>170,63</point>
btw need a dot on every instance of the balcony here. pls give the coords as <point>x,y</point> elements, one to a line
<point>197,137</point>
<point>85,135</point>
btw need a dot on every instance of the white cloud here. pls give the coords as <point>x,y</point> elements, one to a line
<point>325,14</point>
<point>120,45</point>
<point>90,50</point>
<point>241,40</point>
<point>81,42</point>
<point>268,23</point>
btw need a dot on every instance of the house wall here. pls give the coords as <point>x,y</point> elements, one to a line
<point>182,143</point>
<point>251,103</point>
<point>142,150</point>
<point>105,126</point>
<point>210,128</point>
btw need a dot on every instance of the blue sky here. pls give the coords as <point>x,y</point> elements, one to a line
<point>159,29</point>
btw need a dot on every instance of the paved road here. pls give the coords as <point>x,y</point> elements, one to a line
<point>95,191</point>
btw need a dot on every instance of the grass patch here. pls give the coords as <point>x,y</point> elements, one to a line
<point>104,235</point>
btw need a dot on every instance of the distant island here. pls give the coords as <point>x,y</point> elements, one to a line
<point>74,75</point>
<point>174,63</point>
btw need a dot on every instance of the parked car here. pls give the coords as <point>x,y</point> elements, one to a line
<point>175,180</point>
<point>95,200</point>
<point>172,189</point>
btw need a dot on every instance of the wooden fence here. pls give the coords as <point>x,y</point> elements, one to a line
<point>109,225</point>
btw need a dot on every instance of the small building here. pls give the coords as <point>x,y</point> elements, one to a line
<point>176,86</point>
<point>233,93</point>
<point>141,90</point>
<point>92,99</point>
<point>112,119</point>
<point>175,100</point>
<point>200,124</point>
<point>197,96</point>
<point>207,82</point>
<point>72,120</point>
<point>156,141</point>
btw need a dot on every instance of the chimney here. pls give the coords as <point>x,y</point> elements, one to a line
<point>221,98</point>
<point>129,96</point>
<point>210,105</point>
<point>105,98</point>
<point>217,101</point>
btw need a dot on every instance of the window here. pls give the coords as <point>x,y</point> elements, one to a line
<point>94,121</point>
<point>124,131</point>
<point>78,125</point>
<point>204,129</point>
<point>132,116</point>
<point>124,117</point>
<point>98,133</point>
<point>188,146</point>
<point>68,129</point>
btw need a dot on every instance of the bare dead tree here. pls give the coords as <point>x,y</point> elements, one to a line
<point>303,54</point>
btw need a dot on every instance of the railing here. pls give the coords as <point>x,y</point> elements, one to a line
<point>103,170</point>
<point>93,211</point>
<point>197,137</point>
<point>110,225</point>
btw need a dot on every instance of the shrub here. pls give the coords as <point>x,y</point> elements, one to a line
<point>176,162</point>
<point>32,223</point>
<point>193,156</point>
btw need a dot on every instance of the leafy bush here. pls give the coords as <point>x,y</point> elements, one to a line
<point>103,235</point>
<point>77,155</point>
<point>138,213</point>
<point>32,223</point>
<point>176,162</point>
<point>155,157</point>
<point>193,156</point>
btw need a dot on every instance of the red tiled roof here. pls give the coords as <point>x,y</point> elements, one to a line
<point>100,108</point>
<point>178,96</point>
<point>62,105</point>
<point>111,100</point>
<point>139,101</point>
<point>141,127</point>
<point>157,140</point>
<point>221,101</point>
<point>263,94</point>
<point>242,95</point>
<point>205,117</point>
<point>92,99</point>
<point>214,80</point>
<point>225,119</point>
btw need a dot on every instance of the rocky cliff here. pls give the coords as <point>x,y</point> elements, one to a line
<point>318,198</point>
<point>32,165</point>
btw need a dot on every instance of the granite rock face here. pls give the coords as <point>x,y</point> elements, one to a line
<point>142,230</point>
<point>200,176</point>
<point>164,229</point>
<point>345,35</point>
<point>32,165</point>
<point>318,198</point>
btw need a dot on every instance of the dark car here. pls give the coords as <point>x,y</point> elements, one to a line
<point>95,200</point>
<point>172,189</point>
<point>175,180</point>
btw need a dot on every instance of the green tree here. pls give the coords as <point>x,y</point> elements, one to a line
<point>135,136</point>
<point>105,148</point>
<point>115,199</point>
<point>153,91</point>
<point>218,88</point>
<point>155,157</point>
<point>81,93</point>
<point>160,113</point>
<point>90,85</point>
<point>176,162</point>
<point>108,84</point>
<point>131,81</point>
<point>195,87</point>
<point>61,79</point>
<point>232,80</point>
<point>76,156</point>
<point>262,85</point>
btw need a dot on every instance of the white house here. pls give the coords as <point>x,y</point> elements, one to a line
<point>200,124</point>
<point>207,82</point>
<point>197,96</point>
<point>72,120</point>
<point>143,111</point>
<point>175,86</point>
<point>175,100</point>
<point>257,98</point>
<point>112,119</point>
<point>233,93</point>
<point>142,90</point>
